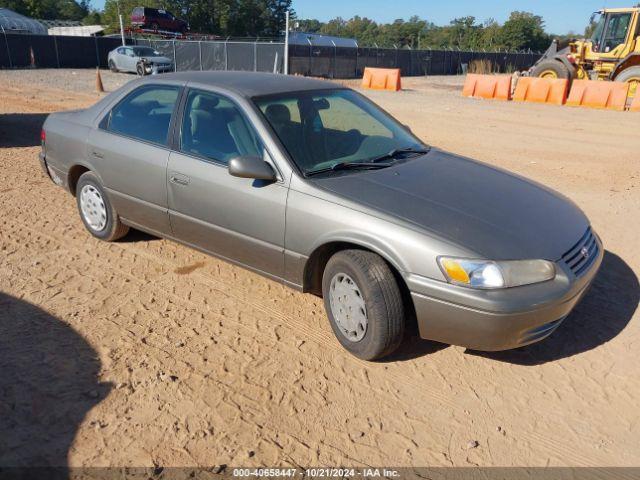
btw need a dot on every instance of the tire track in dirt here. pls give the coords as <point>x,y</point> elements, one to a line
<point>570,411</point>
<point>240,297</point>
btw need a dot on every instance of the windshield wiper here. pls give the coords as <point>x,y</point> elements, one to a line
<point>398,151</point>
<point>351,166</point>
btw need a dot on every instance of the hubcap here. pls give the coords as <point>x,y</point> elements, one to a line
<point>348,307</point>
<point>549,74</point>
<point>93,208</point>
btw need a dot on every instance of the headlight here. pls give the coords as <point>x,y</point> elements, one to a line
<point>490,274</point>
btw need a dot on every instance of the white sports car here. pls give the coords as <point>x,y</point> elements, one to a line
<point>134,58</point>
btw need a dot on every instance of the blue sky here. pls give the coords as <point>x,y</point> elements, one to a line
<point>560,16</point>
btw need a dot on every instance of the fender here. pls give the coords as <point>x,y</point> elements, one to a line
<point>631,60</point>
<point>375,244</point>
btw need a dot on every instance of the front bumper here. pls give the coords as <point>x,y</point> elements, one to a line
<point>53,174</point>
<point>492,320</point>
<point>155,68</point>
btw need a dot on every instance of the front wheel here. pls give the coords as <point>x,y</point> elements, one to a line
<point>96,211</point>
<point>552,69</point>
<point>112,66</point>
<point>632,77</point>
<point>364,303</point>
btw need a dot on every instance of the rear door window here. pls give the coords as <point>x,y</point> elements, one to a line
<point>145,114</point>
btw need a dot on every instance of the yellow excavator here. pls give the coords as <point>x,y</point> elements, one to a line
<point>612,52</point>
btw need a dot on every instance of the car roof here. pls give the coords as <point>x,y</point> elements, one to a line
<point>252,84</point>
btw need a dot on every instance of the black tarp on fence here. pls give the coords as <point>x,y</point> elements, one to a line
<point>346,62</point>
<point>54,51</point>
<point>328,61</point>
<point>51,51</point>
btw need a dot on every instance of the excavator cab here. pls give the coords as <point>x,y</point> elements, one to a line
<point>610,36</point>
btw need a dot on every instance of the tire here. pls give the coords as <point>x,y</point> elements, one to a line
<point>113,229</point>
<point>377,292</point>
<point>140,69</point>
<point>552,69</point>
<point>112,66</point>
<point>630,75</point>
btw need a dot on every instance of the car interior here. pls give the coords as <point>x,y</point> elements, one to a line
<point>145,119</point>
<point>214,128</point>
<point>311,143</point>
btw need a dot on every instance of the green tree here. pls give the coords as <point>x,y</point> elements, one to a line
<point>93,18</point>
<point>524,30</point>
<point>491,38</point>
<point>336,27</point>
<point>309,26</point>
<point>110,12</point>
<point>18,6</point>
<point>238,18</point>
<point>49,9</point>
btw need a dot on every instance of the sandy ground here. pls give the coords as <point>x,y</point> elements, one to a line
<point>144,352</point>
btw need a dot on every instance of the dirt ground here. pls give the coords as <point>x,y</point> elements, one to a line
<point>144,352</point>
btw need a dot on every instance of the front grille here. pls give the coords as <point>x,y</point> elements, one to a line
<point>580,257</point>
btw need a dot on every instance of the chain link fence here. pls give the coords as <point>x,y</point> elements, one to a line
<point>55,51</point>
<point>349,62</point>
<point>50,51</point>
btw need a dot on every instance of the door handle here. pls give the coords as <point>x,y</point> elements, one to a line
<point>179,179</point>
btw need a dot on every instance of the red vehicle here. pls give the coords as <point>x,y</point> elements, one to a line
<point>155,19</point>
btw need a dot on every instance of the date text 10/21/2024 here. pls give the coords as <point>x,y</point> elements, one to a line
<point>315,472</point>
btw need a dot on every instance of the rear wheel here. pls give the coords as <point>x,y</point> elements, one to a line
<point>552,69</point>
<point>364,303</point>
<point>96,211</point>
<point>632,77</point>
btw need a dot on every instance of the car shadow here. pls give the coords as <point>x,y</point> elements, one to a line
<point>135,236</point>
<point>604,312</point>
<point>413,347</point>
<point>49,381</point>
<point>21,129</point>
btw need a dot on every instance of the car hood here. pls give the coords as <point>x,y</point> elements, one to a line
<point>496,214</point>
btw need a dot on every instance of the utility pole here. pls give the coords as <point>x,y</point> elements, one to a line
<point>121,24</point>
<point>286,44</point>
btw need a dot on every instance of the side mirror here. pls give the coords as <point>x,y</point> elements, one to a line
<point>407,128</point>
<point>251,167</point>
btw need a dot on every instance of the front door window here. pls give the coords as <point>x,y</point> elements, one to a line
<point>617,29</point>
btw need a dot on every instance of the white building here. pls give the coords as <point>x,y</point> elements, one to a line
<point>78,31</point>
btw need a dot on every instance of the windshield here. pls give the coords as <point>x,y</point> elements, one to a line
<point>597,24</point>
<point>321,129</point>
<point>145,52</point>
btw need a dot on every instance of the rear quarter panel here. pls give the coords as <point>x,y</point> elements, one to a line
<point>66,143</point>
